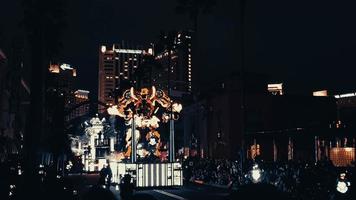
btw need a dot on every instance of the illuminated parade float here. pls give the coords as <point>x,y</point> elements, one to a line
<point>144,154</point>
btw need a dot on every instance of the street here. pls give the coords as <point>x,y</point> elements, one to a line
<point>187,192</point>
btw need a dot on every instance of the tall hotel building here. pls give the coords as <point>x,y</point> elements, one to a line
<point>176,61</point>
<point>117,64</point>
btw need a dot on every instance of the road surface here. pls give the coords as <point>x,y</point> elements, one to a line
<point>187,192</point>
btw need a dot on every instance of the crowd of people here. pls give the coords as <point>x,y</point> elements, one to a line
<point>301,180</point>
<point>220,172</point>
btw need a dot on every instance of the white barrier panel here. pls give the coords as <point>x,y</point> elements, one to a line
<point>150,175</point>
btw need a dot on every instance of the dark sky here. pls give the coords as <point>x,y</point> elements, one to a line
<point>305,44</point>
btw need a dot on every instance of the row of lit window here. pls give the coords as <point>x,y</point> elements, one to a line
<point>189,68</point>
<point>81,97</point>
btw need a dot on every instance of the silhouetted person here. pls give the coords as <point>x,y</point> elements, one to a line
<point>126,187</point>
<point>105,176</point>
<point>109,175</point>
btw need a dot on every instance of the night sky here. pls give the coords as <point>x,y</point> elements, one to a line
<point>306,44</point>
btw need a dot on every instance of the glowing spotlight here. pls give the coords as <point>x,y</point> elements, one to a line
<point>342,187</point>
<point>256,174</point>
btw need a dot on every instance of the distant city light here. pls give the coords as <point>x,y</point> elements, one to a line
<point>103,49</point>
<point>65,66</point>
<point>275,88</point>
<point>321,93</point>
<point>345,95</point>
<point>150,51</point>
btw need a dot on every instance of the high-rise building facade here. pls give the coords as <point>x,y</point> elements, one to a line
<point>61,80</point>
<point>175,57</point>
<point>117,64</point>
<point>275,88</point>
<point>80,96</point>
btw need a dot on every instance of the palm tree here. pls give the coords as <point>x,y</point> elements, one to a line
<point>194,8</point>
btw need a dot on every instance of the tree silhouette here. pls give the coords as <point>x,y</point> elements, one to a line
<point>43,22</point>
<point>194,8</point>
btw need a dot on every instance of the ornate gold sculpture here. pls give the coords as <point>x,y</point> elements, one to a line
<point>142,106</point>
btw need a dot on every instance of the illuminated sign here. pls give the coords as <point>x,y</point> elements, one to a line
<point>130,51</point>
<point>345,95</point>
<point>321,93</point>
